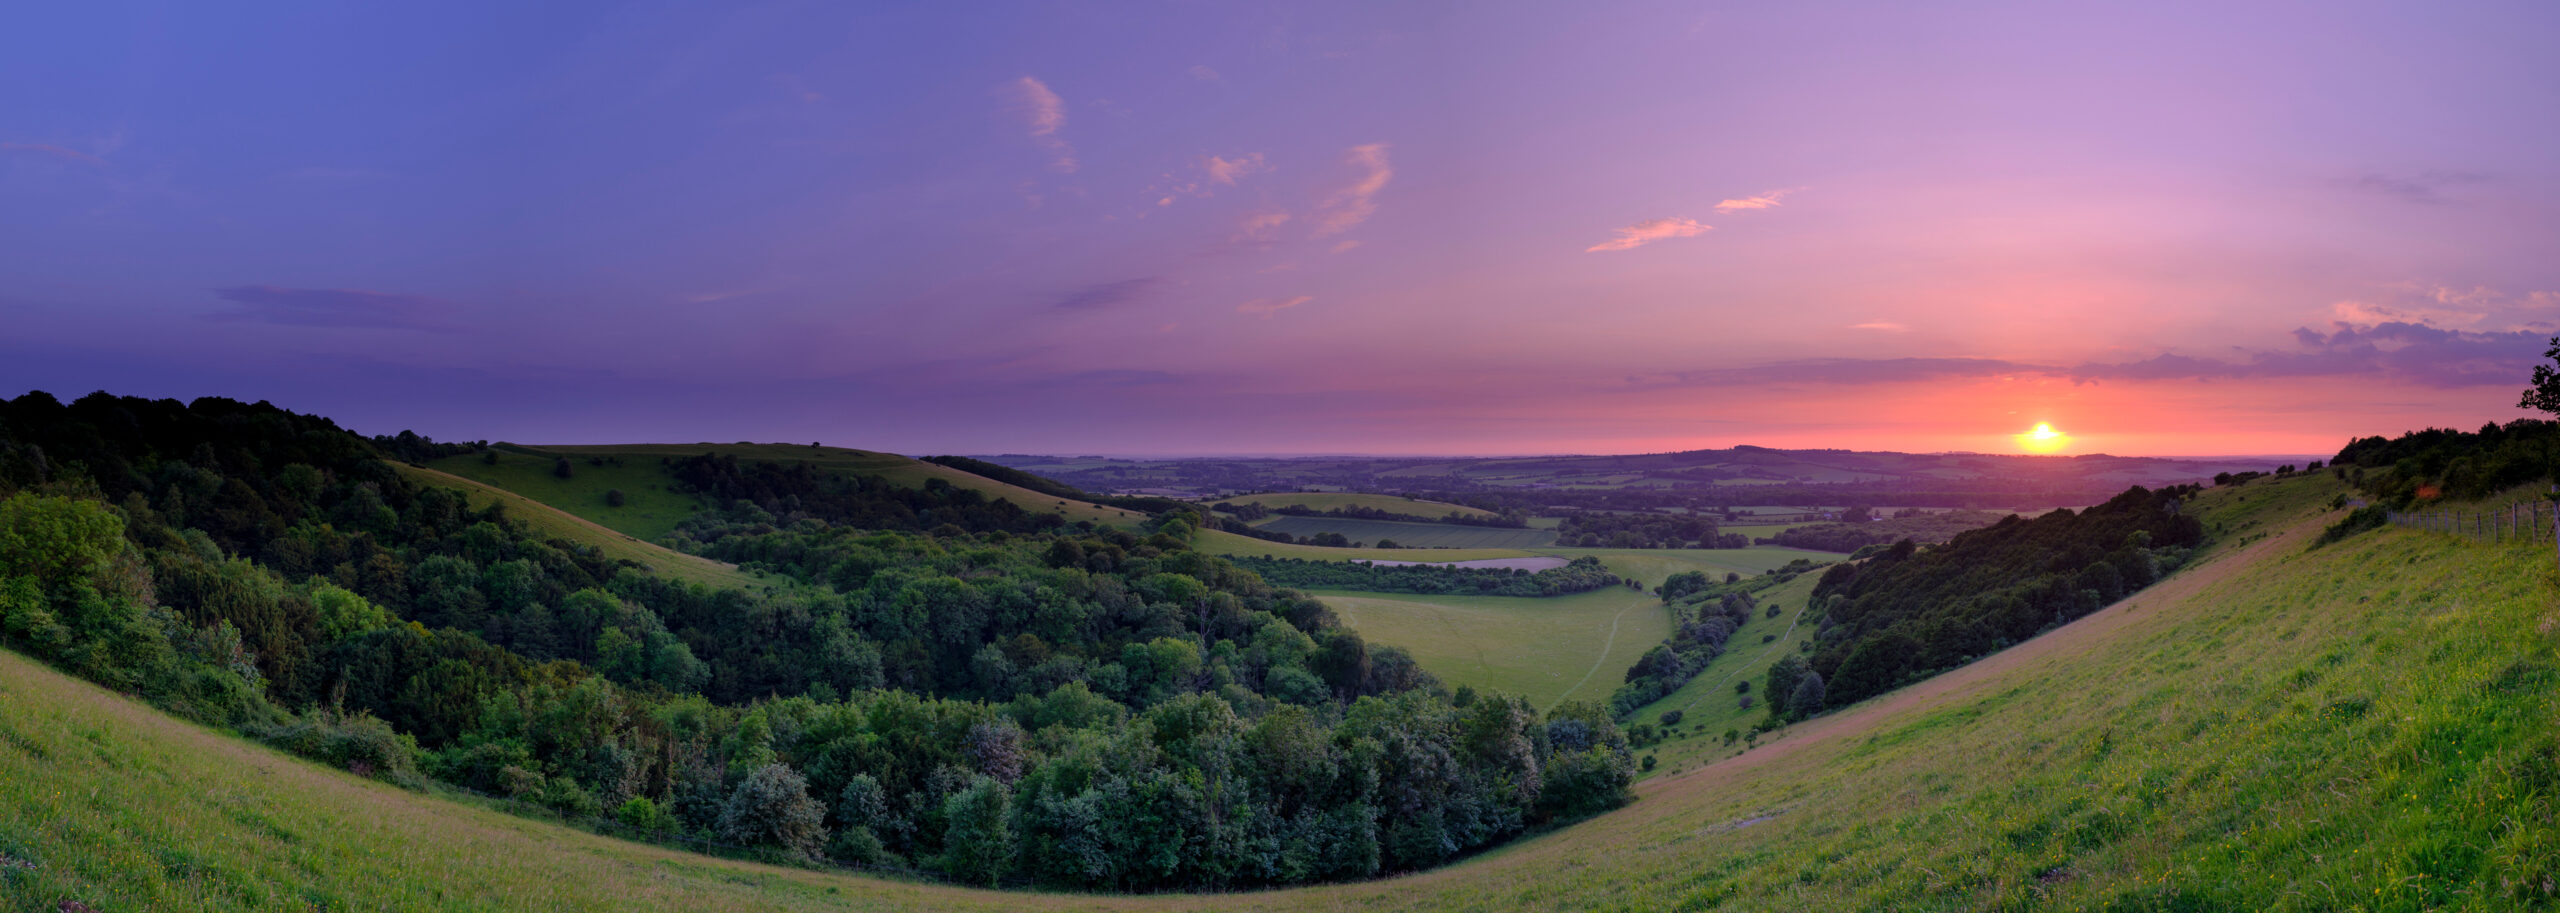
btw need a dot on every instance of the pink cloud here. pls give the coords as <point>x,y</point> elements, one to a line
<point>1354,204</point>
<point>1649,231</point>
<point>1226,171</point>
<point>1265,307</point>
<point>1767,199</point>
<point>1045,113</point>
<point>1260,226</point>
<point>68,155</point>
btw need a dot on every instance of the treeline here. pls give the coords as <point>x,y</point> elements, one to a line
<point>1908,612</point>
<point>1923,528</point>
<point>1704,614</point>
<point>1644,530</point>
<point>791,492</point>
<point>2445,463</point>
<point>1054,488</point>
<point>1582,575</point>
<point>1074,707</point>
<point>1255,510</point>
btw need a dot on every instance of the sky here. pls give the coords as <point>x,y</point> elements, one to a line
<point>1200,228</point>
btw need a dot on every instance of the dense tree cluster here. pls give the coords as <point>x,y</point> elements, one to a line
<point>1582,575</point>
<point>1082,708</point>
<point>1644,529</point>
<point>796,491</point>
<point>1923,528</point>
<point>1909,612</point>
<point>1255,510</point>
<point>2445,463</point>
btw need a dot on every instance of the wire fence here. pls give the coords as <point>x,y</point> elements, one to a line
<point>2524,521</point>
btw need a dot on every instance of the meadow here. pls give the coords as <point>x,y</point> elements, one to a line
<point>553,522</point>
<point>1547,649</point>
<point>2372,725</point>
<point>654,504</point>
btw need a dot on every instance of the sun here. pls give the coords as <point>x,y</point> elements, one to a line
<point>2043,439</point>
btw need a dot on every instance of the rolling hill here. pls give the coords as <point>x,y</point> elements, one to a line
<point>2365,725</point>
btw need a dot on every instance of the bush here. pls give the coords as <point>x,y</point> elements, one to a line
<point>356,741</point>
<point>1671,718</point>
<point>613,497</point>
<point>2371,516</point>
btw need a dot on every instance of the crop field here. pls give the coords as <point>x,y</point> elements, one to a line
<point>1545,649</point>
<point>552,521</point>
<point>1412,535</point>
<point>2371,725</point>
<point>1336,500</point>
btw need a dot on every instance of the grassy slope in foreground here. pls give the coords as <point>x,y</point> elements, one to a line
<point>2367,726</point>
<point>552,521</point>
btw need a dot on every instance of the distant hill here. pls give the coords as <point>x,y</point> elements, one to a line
<point>1742,475</point>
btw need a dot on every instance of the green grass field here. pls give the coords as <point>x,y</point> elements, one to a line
<point>1412,535</point>
<point>1545,649</point>
<point>1218,542</point>
<point>655,506</point>
<point>2369,726</point>
<point>554,522</point>
<point>1337,500</point>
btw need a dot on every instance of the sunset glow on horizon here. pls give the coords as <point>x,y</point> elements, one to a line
<point>1173,229</point>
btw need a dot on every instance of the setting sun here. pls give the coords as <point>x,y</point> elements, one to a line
<point>2043,439</point>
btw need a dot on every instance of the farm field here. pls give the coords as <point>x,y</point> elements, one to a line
<point>552,521</point>
<point>2063,773</point>
<point>1412,535</point>
<point>1548,650</point>
<point>1337,500</point>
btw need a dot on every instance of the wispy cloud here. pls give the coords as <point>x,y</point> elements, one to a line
<point>1347,246</point>
<point>2390,353</point>
<point>1649,231</point>
<point>1260,226</point>
<point>1045,114</point>
<point>340,308</point>
<point>1881,326</point>
<point>1766,199</point>
<point>1346,208</point>
<point>53,151</point>
<point>1226,171</point>
<point>1108,294</point>
<point>1202,73</point>
<point>2428,187</point>
<point>1265,307</point>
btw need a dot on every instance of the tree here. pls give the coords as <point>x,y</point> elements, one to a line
<point>772,808</point>
<point>2544,394</point>
<point>560,467</point>
<point>1807,699</point>
<point>1784,675</point>
<point>613,497</point>
<point>977,847</point>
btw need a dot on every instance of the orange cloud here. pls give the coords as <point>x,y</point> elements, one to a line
<point>1354,204</point>
<point>1649,231</point>
<point>1886,326</point>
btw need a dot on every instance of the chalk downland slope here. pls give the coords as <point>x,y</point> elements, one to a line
<point>554,522</point>
<point>2374,724</point>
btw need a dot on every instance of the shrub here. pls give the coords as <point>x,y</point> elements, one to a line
<point>1671,718</point>
<point>613,497</point>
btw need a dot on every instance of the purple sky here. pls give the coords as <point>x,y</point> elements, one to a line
<point>1229,228</point>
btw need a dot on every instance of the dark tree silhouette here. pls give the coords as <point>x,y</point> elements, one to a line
<point>2544,395</point>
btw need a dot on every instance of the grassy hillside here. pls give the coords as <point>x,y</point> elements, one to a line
<point>655,505</point>
<point>2373,725</point>
<point>554,522</point>
<point>1218,542</point>
<point>1415,535</point>
<point>1338,500</point>
<point>1546,649</point>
